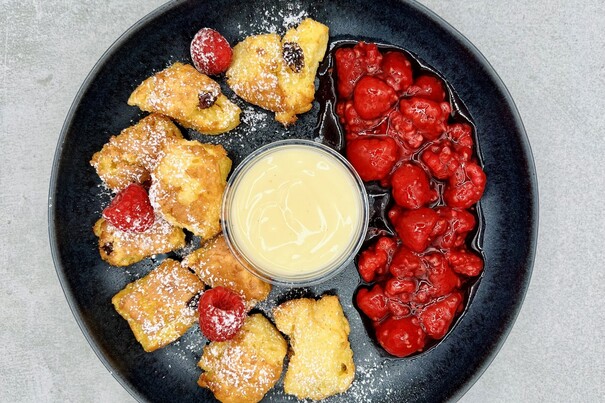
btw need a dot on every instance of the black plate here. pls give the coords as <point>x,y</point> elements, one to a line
<point>509,205</point>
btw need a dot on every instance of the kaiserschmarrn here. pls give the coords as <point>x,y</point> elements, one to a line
<point>158,306</point>
<point>188,183</point>
<point>278,74</point>
<point>121,248</point>
<point>132,155</point>
<point>189,97</point>
<point>245,368</point>
<point>321,362</point>
<point>216,266</point>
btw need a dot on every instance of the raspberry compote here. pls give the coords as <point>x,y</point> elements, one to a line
<point>409,138</point>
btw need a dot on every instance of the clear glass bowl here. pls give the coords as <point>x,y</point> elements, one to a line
<point>264,270</point>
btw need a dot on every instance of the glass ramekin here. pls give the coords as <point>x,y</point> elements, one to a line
<point>306,278</point>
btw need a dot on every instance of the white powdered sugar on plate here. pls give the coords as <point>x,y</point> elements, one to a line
<point>273,19</point>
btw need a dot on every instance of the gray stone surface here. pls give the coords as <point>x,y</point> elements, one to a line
<point>550,54</point>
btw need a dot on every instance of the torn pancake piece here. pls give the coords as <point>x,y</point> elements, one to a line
<point>123,248</point>
<point>279,74</point>
<point>159,307</point>
<point>188,184</point>
<point>321,361</point>
<point>245,368</point>
<point>191,98</point>
<point>131,156</point>
<point>216,266</point>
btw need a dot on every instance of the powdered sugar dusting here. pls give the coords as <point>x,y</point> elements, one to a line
<point>368,384</point>
<point>255,120</point>
<point>273,18</point>
<point>294,19</point>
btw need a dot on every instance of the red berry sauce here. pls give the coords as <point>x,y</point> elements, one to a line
<point>409,138</point>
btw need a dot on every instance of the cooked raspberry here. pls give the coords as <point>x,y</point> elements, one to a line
<point>465,187</point>
<point>352,63</point>
<point>130,210</point>
<point>441,159</point>
<point>428,87</point>
<point>406,263</point>
<point>429,117</point>
<point>397,71</point>
<point>373,261</point>
<point>400,132</point>
<point>373,97</point>
<point>395,286</point>
<point>403,128</point>
<point>373,158</point>
<point>441,277</point>
<point>210,52</point>
<point>398,309</point>
<point>353,122</point>
<point>414,227</point>
<point>372,302</point>
<point>222,313</point>
<point>463,262</point>
<point>454,225</point>
<point>437,317</point>
<point>461,135</point>
<point>411,187</point>
<point>401,337</point>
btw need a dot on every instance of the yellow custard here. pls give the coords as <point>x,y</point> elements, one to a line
<point>295,209</point>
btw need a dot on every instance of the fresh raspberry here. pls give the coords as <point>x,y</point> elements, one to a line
<point>222,313</point>
<point>411,187</point>
<point>130,210</point>
<point>401,337</point>
<point>210,52</point>
<point>373,97</point>
<point>373,158</point>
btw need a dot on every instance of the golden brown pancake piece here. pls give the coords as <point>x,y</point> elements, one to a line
<point>157,305</point>
<point>178,91</point>
<point>321,362</point>
<point>245,368</point>
<point>122,248</point>
<point>279,74</point>
<point>188,184</point>
<point>216,266</point>
<point>132,155</point>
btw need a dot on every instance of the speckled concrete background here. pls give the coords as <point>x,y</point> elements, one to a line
<point>550,54</point>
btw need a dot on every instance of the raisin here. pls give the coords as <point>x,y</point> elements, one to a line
<point>207,98</point>
<point>108,248</point>
<point>193,302</point>
<point>294,56</point>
